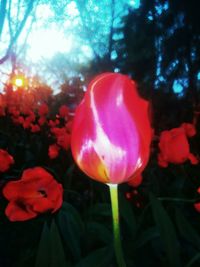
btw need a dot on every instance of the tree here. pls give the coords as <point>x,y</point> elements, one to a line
<point>137,50</point>
<point>95,23</point>
<point>181,50</point>
<point>14,16</point>
<point>160,45</point>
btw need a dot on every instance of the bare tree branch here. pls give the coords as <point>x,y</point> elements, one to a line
<point>81,7</point>
<point>110,44</point>
<point>2,14</point>
<point>10,19</point>
<point>13,40</point>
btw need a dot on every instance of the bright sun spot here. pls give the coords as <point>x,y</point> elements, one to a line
<point>18,82</point>
<point>45,42</point>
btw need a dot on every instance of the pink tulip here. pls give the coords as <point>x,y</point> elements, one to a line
<point>111,131</point>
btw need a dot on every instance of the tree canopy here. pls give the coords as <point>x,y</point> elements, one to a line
<point>156,44</point>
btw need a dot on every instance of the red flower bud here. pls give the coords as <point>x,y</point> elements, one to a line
<point>53,151</point>
<point>111,131</point>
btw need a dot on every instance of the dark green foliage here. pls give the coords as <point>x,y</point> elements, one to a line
<point>160,45</point>
<point>166,232</point>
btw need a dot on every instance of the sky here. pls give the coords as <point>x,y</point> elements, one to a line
<point>44,42</point>
<point>48,37</point>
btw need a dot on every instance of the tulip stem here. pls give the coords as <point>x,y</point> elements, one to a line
<point>116,228</point>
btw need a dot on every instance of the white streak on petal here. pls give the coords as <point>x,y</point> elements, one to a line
<point>102,142</point>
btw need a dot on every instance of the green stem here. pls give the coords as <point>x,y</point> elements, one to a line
<point>116,228</point>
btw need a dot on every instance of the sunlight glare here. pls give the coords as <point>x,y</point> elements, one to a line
<point>44,43</point>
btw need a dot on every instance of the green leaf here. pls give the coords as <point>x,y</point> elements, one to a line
<point>100,232</point>
<point>67,178</point>
<point>69,209</point>
<point>26,258</point>
<point>50,251</point>
<point>146,236</point>
<point>193,260</point>
<point>127,214</point>
<point>57,253</point>
<point>71,227</point>
<point>42,258</point>
<point>100,209</point>
<point>100,258</point>
<point>167,232</point>
<point>186,230</point>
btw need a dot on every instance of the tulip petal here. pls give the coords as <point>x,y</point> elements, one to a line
<point>193,159</point>
<point>84,147</point>
<point>15,213</point>
<point>33,173</point>
<point>12,190</point>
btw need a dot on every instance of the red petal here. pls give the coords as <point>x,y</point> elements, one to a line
<point>136,181</point>
<point>15,213</point>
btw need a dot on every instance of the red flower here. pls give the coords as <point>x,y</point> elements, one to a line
<point>64,141</point>
<point>63,111</point>
<point>68,126</point>
<point>5,160</point>
<point>174,147</point>
<point>43,110</point>
<point>31,116</point>
<point>29,120</point>
<point>57,131</point>
<point>42,120</point>
<point>197,205</point>
<point>62,137</point>
<point>21,119</point>
<point>35,193</point>
<point>52,123</point>
<point>18,120</point>
<point>35,128</point>
<point>2,112</point>
<point>13,111</point>
<point>136,181</point>
<point>111,132</point>
<point>2,105</point>
<point>53,151</point>
<point>189,129</point>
